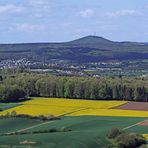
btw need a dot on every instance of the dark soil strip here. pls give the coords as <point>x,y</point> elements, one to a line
<point>141,106</point>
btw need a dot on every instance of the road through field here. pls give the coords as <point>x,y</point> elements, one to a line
<point>128,127</point>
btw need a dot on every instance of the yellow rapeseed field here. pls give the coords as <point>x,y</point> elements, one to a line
<point>71,107</point>
<point>53,106</point>
<point>36,110</point>
<point>75,103</point>
<point>111,112</point>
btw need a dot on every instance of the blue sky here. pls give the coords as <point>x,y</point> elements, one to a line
<point>64,20</point>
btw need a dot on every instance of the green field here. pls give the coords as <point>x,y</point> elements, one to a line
<point>87,131</point>
<point>4,106</point>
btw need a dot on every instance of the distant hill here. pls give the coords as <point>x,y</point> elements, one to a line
<point>86,49</point>
<point>91,40</point>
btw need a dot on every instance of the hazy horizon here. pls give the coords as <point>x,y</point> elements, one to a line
<point>70,41</point>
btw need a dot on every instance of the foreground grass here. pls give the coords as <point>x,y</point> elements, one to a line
<point>86,131</point>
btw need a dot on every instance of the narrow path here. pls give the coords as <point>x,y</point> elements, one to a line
<point>22,130</point>
<point>49,121</point>
<point>34,126</point>
<point>128,127</point>
<point>68,113</point>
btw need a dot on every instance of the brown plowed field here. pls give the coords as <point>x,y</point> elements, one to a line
<point>144,123</point>
<point>141,106</point>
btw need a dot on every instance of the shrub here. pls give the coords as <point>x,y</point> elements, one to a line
<point>125,140</point>
<point>13,113</point>
<point>131,140</point>
<point>114,133</point>
<point>53,130</point>
<point>43,118</point>
<point>64,129</point>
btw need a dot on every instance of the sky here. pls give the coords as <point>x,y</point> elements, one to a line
<point>64,20</point>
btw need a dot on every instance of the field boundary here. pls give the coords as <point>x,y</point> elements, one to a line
<point>34,126</point>
<point>115,107</point>
<point>128,127</point>
<point>27,128</point>
<point>73,112</point>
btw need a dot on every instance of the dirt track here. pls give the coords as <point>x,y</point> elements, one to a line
<point>142,106</point>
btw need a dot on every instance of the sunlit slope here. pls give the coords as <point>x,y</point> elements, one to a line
<point>71,107</point>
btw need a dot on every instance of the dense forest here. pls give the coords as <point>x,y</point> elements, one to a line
<point>24,85</point>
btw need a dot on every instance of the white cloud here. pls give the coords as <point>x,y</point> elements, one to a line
<point>123,13</point>
<point>39,3</point>
<point>90,13</point>
<point>39,8</point>
<point>5,9</point>
<point>27,27</point>
<point>87,13</point>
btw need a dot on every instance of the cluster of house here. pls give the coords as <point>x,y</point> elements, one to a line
<point>13,63</point>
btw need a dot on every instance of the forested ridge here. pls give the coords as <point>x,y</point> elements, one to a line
<point>83,50</point>
<point>103,88</point>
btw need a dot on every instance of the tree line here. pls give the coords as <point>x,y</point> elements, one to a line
<point>44,85</point>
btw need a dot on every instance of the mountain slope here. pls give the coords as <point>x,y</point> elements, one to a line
<point>91,40</point>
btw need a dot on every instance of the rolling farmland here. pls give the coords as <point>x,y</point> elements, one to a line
<point>87,131</point>
<point>89,122</point>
